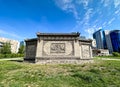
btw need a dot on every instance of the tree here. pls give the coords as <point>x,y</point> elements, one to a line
<point>6,49</point>
<point>21,49</point>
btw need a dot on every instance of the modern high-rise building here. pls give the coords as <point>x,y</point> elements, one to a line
<point>108,40</point>
<point>99,36</point>
<point>115,39</point>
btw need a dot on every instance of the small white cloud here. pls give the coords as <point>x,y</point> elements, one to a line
<point>87,17</point>
<point>111,21</point>
<point>90,32</point>
<point>116,3</point>
<point>106,3</point>
<point>88,14</point>
<point>104,24</point>
<point>2,32</point>
<point>84,2</point>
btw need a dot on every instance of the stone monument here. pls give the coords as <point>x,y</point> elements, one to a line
<point>58,48</point>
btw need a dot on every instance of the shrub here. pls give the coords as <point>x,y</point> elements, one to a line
<point>116,54</point>
<point>1,56</point>
<point>12,55</point>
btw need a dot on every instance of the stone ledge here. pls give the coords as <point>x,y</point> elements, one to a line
<point>57,58</point>
<point>64,61</point>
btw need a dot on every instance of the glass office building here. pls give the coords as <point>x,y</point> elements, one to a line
<point>115,39</point>
<point>99,36</point>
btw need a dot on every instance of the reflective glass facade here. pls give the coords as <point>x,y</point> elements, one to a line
<point>115,39</point>
<point>99,36</point>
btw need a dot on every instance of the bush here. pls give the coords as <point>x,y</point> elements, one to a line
<point>116,54</point>
<point>12,55</point>
<point>1,56</point>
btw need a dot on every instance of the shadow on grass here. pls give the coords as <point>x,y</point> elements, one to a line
<point>17,60</point>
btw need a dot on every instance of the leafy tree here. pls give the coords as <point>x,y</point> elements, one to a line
<point>6,49</point>
<point>21,49</point>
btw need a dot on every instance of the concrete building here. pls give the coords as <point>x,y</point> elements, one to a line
<point>14,44</point>
<point>58,48</point>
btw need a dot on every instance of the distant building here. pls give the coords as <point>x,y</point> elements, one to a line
<point>108,40</point>
<point>100,52</point>
<point>115,39</point>
<point>82,37</point>
<point>14,44</point>
<point>1,44</point>
<point>99,36</point>
<point>93,43</point>
<point>22,43</point>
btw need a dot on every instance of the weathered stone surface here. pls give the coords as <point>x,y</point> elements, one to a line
<point>58,48</point>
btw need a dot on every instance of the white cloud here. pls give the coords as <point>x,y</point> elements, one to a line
<point>90,31</point>
<point>72,6</point>
<point>88,14</point>
<point>117,11</point>
<point>2,32</point>
<point>89,18</point>
<point>84,2</point>
<point>104,24</point>
<point>106,3</point>
<point>68,6</point>
<point>111,21</point>
<point>116,3</point>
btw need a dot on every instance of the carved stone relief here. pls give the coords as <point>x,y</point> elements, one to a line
<point>85,51</point>
<point>57,48</point>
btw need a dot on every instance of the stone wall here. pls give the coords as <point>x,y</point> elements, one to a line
<point>30,51</point>
<point>58,48</point>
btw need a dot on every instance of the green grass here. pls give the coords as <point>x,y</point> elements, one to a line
<point>111,57</point>
<point>98,74</point>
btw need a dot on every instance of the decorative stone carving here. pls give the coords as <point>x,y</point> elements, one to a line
<point>85,51</point>
<point>57,48</point>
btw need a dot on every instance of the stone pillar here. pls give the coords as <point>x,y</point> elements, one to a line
<point>91,52</point>
<point>39,48</point>
<point>77,49</point>
<point>80,51</point>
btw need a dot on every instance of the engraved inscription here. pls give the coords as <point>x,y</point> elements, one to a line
<point>57,48</point>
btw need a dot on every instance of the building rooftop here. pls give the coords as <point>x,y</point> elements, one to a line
<point>58,34</point>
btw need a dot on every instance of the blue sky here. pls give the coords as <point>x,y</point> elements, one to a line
<point>21,19</point>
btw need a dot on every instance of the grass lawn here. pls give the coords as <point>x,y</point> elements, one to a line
<point>98,74</point>
<point>111,57</point>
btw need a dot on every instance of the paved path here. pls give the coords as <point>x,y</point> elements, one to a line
<point>20,58</point>
<point>110,59</point>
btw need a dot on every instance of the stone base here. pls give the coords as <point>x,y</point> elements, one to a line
<point>58,60</point>
<point>29,60</point>
<point>64,61</point>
